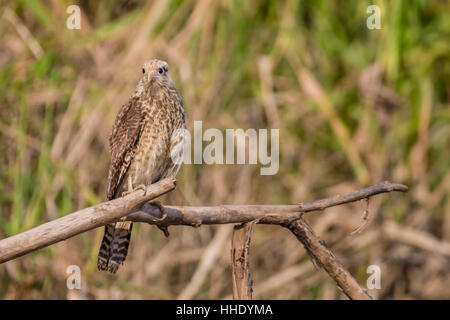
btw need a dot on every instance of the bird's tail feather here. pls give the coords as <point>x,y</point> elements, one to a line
<point>104,252</point>
<point>114,247</point>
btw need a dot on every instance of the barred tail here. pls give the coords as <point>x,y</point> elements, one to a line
<point>114,247</point>
<point>103,254</point>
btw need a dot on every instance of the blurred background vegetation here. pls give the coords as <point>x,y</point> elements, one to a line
<point>354,107</point>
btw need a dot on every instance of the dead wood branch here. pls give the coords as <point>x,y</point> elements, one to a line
<point>80,221</point>
<point>136,209</point>
<point>265,214</point>
<point>319,252</point>
<point>240,266</point>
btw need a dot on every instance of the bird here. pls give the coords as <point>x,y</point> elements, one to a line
<point>146,145</point>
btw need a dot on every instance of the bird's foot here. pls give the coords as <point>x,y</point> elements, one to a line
<point>161,209</point>
<point>125,193</point>
<point>164,229</point>
<point>142,187</point>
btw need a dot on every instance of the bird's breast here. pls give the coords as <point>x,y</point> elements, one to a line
<point>151,153</point>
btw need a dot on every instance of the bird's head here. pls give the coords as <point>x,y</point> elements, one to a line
<point>156,71</point>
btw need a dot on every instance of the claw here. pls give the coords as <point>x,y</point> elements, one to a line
<point>163,216</point>
<point>161,209</point>
<point>139,187</point>
<point>125,193</point>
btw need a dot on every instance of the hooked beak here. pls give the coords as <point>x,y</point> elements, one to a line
<point>151,77</point>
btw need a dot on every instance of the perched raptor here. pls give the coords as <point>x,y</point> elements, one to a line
<point>146,145</point>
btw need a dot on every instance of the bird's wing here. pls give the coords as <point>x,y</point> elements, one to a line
<point>177,141</point>
<point>123,141</point>
<point>175,153</point>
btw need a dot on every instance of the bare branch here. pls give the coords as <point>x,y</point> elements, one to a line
<point>107,212</point>
<point>365,220</point>
<point>265,214</point>
<point>136,209</point>
<point>240,266</point>
<point>80,221</point>
<point>320,252</point>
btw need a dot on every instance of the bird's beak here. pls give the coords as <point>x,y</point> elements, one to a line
<point>151,77</point>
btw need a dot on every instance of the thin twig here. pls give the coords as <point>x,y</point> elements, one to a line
<point>365,219</point>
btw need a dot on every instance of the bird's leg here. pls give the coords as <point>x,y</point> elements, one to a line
<point>130,184</point>
<point>131,189</point>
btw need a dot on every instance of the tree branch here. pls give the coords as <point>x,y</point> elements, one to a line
<point>136,209</point>
<point>80,221</point>
<point>265,214</point>
<point>323,257</point>
<point>240,265</point>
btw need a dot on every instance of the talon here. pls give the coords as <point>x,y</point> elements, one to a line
<point>143,188</point>
<point>139,187</point>
<point>161,209</point>
<point>125,193</point>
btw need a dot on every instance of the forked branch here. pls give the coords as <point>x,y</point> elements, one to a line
<point>134,206</point>
<point>265,214</point>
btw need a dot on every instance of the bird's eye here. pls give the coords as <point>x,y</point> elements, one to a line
<point>161,70</point>
<point>143,71</point>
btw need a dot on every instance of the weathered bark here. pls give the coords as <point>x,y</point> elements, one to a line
<point>240,265</point>
<point>80,221</point>
<point>319,252</point>
<point>135,208</point>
